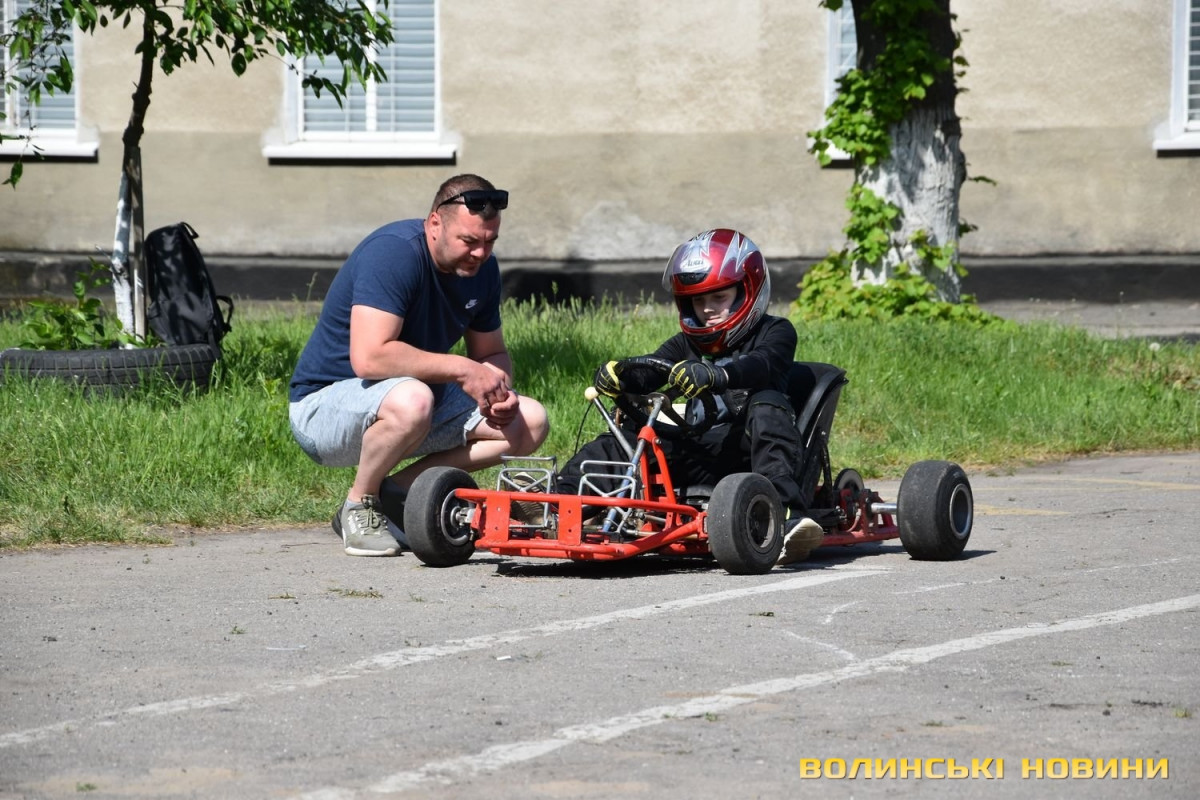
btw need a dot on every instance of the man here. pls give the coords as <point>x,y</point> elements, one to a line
<point>376,383</point>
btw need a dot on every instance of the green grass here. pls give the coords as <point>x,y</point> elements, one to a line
<point>144,467</point>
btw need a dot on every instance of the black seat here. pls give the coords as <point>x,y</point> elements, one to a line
<point>814,389</point>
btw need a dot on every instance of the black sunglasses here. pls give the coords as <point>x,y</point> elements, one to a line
<point>477,200</point>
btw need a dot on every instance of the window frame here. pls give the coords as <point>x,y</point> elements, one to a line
<point>1178,132</point>
<point>835,24</point>
<point>40,141</point>
<point>298,144</point>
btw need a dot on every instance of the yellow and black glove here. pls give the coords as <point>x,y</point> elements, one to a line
<point>693,377</point>
<point>607,379</point>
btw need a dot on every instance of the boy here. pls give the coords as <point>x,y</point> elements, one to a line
<point>728,345</point>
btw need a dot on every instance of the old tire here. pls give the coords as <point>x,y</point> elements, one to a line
<point>935,509</point>
<point>435,521</point>
<point>116,369</point>
<point>745,524</point>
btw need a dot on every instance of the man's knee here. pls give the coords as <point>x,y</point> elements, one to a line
<point>537,422</point>
<point>408,407</point>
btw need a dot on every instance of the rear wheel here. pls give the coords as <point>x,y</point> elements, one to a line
<point>745,524</point>
<point>438,524</point>
<point>935,510</point>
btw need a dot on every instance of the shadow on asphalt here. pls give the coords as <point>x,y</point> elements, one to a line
<point>650,564</point>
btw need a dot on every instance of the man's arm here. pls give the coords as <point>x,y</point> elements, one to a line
<point>376,353</point>
<point>489,349</point>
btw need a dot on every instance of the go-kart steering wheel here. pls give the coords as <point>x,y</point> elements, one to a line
<point>633,405</point>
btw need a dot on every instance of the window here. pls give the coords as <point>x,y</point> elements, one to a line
<point>1182,129</point>
<point>842,49</point>
<point>50,127</point>
<point>841,56</point>
<point>395,119</point>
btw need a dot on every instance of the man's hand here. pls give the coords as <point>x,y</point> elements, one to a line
<point>488,385</point>
<point>693,377</point>
<point>607,379</point>
<point>504,411</point>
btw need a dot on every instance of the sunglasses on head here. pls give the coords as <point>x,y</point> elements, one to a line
<point>477,200</point>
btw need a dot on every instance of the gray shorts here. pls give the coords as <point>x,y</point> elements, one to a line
<point>329,424</point>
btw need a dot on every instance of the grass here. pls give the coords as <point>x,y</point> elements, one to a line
<point>142,468</point>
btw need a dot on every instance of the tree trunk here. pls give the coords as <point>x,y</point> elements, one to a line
<point>128,261</point>
<point>925,169</point>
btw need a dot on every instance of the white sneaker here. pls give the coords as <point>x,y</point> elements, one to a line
<point>364,529</point>
<point>802,538</point>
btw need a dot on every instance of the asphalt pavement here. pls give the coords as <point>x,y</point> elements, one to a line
<point>1056,658</point>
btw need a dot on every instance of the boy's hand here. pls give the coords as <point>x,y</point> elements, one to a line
<point>607,379</point>
<point>693,377</point>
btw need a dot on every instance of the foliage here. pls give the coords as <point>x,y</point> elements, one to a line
<point>243,31</point>
<point>83,325</point>
<point>998,395</point>
<point>872,98</point>
<point>827,293</point>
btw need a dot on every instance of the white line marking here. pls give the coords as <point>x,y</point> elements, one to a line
<point>416,655</point>
<point>829,616</point>
<point>497,757</point>
<point>833,648</point>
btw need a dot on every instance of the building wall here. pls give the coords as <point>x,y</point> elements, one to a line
<point>623,127</point>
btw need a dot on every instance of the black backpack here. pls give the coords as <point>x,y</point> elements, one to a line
<point>183,307</point>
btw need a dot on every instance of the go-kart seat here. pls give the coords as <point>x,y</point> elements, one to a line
<point>814,389</point>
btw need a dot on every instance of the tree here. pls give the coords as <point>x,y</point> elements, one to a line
<point>175,33</point>
<point>895,117</point>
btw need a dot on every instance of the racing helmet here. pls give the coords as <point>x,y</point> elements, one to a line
<point>711,261</point>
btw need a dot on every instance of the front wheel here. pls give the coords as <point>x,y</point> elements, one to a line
<point>438,524</point>
<point>935,510</point>
<point>745,524</point>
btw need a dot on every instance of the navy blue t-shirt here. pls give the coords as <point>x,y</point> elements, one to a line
<point>393,271</point>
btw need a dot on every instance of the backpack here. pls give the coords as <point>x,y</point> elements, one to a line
<point>183,307</point>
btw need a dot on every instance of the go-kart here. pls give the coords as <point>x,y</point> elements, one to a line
<point>631,507</point>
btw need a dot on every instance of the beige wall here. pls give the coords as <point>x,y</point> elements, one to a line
<point>623,127</point>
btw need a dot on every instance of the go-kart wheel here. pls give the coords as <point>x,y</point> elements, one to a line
<point>935,510</point>
<point>436,522</point>
<point>848,479</point>
<point>745,524</point>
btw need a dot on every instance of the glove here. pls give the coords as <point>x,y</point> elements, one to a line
<point>693,377</point>
<point>607,379</point>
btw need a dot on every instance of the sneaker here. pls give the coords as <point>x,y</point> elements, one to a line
<point>803,536</point>
<point>527,512</point>
<point>364,529</point>
<point>391,503</point>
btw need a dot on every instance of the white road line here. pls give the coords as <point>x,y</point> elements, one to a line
<point>416,655</point>
<point>829,617</point>
<point>498,757</point>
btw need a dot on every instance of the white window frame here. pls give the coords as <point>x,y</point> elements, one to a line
<point>835,64</point>
<point>1181,131</point>
<point>37,140</point>
<point>294,142</point>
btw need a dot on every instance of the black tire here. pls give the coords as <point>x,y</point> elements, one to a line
<point>434,521</point>
<point>115,370</point>
<point>745,524</point>
<point>935,510</point>
<point>848,479</point>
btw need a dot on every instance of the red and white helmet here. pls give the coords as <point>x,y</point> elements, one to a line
<point>711,261</point>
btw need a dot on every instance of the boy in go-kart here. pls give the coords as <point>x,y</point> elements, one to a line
<point>729,346</point>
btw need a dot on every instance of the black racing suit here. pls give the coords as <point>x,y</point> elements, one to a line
<point>756,427</point>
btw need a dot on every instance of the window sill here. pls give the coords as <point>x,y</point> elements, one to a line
<point>361,151</point>
<point>1179,142</point>
<point>43,147</point>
